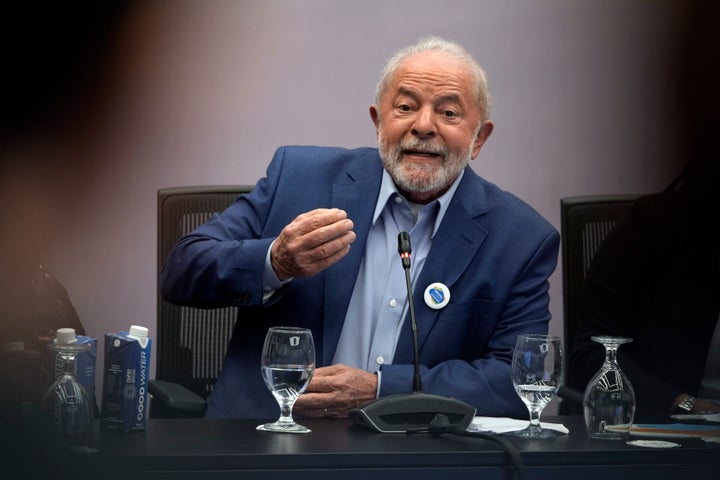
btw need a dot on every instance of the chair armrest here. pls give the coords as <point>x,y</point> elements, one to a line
<point>572,400</point>
<point>175,400</point>
<point>570,394</point>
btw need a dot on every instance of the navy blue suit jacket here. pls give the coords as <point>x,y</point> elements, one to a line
<point>494,252</point>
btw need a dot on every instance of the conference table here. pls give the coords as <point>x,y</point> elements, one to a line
<point>339,450</point>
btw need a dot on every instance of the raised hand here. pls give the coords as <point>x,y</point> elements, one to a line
<point>311,243</point>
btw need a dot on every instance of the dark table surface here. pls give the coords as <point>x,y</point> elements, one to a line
<point>337,447</point>
<point>199,448</point>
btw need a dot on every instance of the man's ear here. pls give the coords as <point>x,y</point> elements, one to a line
<point>375,115</point>
<point>482,136</point>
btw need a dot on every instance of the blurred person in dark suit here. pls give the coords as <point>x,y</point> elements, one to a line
<point>656,279</point>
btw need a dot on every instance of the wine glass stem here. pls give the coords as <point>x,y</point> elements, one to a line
<point>610,353</point>
<point>286,413</point>
<point>535,418</point>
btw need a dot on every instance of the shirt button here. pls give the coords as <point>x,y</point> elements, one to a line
<point>380,360</point>
<point>393,303</point>
<point>398,200</point>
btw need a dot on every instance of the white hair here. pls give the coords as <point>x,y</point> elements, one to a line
<point>425,44</point>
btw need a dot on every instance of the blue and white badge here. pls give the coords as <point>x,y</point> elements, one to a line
<point>437,295</point>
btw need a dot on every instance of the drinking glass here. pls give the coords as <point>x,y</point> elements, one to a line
<point>287,365</point>
<point>65,407</point>
<point>537,369</point>
<point>609,399</point>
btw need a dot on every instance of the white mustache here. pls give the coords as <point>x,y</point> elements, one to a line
<point>426,147</point>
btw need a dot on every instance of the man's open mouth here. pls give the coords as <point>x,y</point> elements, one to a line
<point>421,153</point>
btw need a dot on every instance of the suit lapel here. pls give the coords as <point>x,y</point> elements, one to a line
<point>457,241</point>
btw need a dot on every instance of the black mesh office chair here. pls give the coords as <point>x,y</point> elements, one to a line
<point>191,343</point>
<point>585,221</point>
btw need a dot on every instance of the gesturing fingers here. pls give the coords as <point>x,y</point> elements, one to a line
<point>312,242</point>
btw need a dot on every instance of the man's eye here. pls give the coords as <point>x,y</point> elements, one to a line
<point>449,114</point>
<point>404,108</point>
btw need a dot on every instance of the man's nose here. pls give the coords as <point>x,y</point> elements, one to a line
<point>424,125</point>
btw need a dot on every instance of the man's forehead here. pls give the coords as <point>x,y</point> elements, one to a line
<point>438,69</point>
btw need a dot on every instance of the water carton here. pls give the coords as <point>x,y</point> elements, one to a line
<point>125,386</point>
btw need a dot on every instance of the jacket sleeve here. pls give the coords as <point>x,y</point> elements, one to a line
<point>221,263</point>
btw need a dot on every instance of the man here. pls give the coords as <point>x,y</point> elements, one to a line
<point>315,245</point>
<point>656,279</point>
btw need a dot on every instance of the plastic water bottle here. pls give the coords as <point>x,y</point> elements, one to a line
<point>66,409</point>
<point>84,367</point>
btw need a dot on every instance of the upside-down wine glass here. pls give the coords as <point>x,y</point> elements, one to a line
<point>537,370</point>
<point>287,364</point>
<point>609,399</point>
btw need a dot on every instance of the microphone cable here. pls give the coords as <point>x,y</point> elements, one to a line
<point>441,425</point>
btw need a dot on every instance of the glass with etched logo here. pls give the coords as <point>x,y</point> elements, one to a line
<point>287,365</point>
<point>609,399</point>
<point>537,370</point>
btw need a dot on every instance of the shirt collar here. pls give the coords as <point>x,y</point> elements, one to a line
<point>388,190</point>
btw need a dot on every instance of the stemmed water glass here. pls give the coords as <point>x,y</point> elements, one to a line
<point>537,370</point>
<point>287,365</point>
<point>609,399</point>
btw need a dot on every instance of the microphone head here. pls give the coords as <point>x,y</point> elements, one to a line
<point>404,248</point>
<point>404,243</point>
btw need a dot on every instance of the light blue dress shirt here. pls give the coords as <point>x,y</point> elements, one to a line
<point>379,301</point>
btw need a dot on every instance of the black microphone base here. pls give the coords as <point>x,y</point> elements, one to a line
<point>411,411</point>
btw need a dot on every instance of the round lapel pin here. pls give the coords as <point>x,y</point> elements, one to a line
<point>437,295</point>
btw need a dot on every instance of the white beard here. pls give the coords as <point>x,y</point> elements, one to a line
<point>418,178</point>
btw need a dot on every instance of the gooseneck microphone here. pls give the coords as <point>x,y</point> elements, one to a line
<point>405,251</point>
<point>416,411</point>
